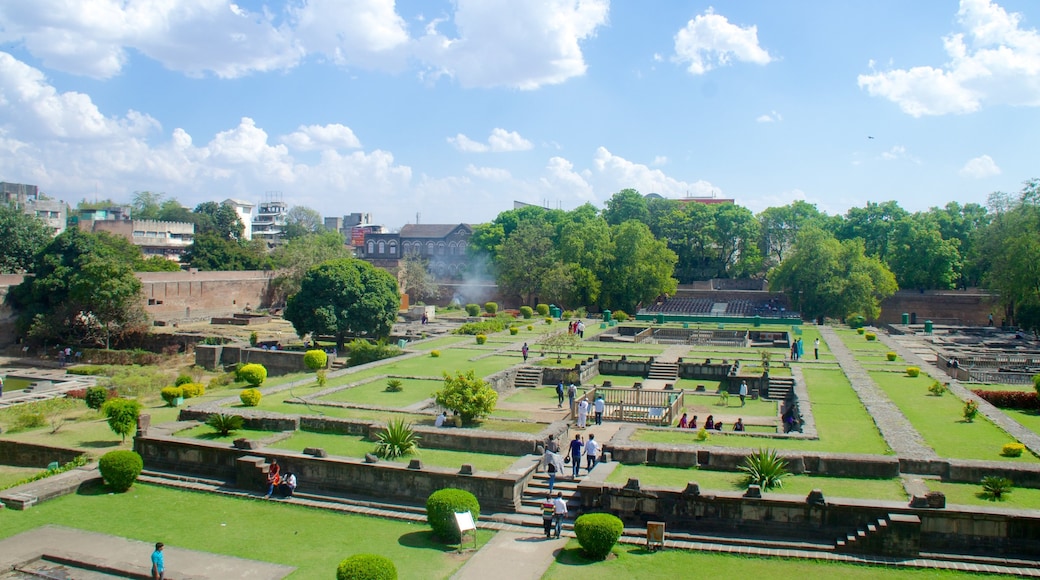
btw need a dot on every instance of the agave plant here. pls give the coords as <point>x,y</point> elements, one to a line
<point>995,488</point>
<point>225,424</point>
<point>765,468</point>
<point>397,440</point>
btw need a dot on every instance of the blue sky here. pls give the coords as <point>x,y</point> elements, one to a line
<point>453,110</point>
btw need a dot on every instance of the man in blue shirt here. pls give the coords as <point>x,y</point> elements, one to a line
<point>576,446</point>
<point>158,564</point>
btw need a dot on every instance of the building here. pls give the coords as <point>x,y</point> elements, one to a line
<point>169,240</point>
<point>244,210</point>
<point>442,245</point>
<point>54,213</point>
<point>270,219</point>
<point>344,224</point>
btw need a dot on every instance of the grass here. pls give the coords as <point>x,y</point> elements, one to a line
<point>375,393</point>
<point>207,433</point>
<point>637,563</point>
<point>357,447</point>
<point>997,387</point>
<point>652,476</point>
<point>969,494</point>
<point>10,475</point>
<point>940,422</point>
<point>704,405</point>
<point>314,541</point>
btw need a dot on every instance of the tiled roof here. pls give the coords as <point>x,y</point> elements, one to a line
<point>435,231</point>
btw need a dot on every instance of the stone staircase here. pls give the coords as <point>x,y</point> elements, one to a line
<point>663,371</point>
<point>779,388</point>
<point>530,377</point>
<point>893,535</point>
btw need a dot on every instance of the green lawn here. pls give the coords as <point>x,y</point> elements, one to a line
<point>357,447</point>
<point>940,422</point>
<point>637,563</point>
<point>375,393</point>
<point>968,494</point>
<point>9,475</point>
<point>314,541</point>
<point>437,343</point>
<point>544,396</point>
<point>651,476</point>
<point>997,387</point>
<point>1029,419</point>
<point>704,405</point>
<point>206,433</point>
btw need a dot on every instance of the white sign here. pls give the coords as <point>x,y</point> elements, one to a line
<point>465,521</point>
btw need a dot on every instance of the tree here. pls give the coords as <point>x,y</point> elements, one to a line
<point>626,205</point>
<point>344,297</point>
<point>109,295</point>
<point>121,415</point>
<point>210,251</point>
<point>920,257</point>
<point>146,205</point>
<point>641,269</point>
<point>1008,249</point>
<point>219,219</point>
<point>302,221</point>
<point>872,224</point>
<point>22,236</point>
<point>526,256</point>
<point>297,256</point>
<point>467,395</point>
<point>415,279</point>
<point>558,342</point>
<point>780,225</point>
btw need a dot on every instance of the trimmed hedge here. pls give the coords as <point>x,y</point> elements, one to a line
<point>120,469</point>
<point>253,373</point>
<point>250,397</point>
<point>481,338</point>
<point>315,359</point>
<point>527,312</point>
<point>491,307</point>
<point>913,371</point>
<point>366,567</point>
<point>597,533</point>
<point>440,511</point>
<point>1010,399</point>
<point>171,394</point>
<point>483,327</point>
<point>190,390</point>
<point>473,309</point>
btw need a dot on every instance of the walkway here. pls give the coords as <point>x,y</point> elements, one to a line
<point>893,425</point>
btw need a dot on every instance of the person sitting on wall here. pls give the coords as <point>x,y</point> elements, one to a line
<point>288,485</point>
<point>441,419</point>
<point>273,478</point>
<point>683,422</point>
<point>709,423</point>
<point>718,426</point>
<point>739,425</point>
<point>693,423</point>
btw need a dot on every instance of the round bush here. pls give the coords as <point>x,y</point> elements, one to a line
<point>890,355</point>
<point>182,380</point>
<point>871,336</point>
<point>530,327</point>
<point>366,567</point>
<point>860,330</point>
<point>190,390</point>
<point>95,397</point>
<point>120,469</point>
<point>597,533</point>
<point>620,315</point>
<point>1012,450</point>
<point>253,373</point>
<point>473,309</point>
<point>514,330</point>
<point>250,397</point>
<point>435,353</point>
<point>491,307</point>
<point>913,371</point>
<point>527,312</point>
<point>440,511</point>
<point>542,309</point>
<point>481,338</point>
<point>171,394</point>
<point>315,359</point>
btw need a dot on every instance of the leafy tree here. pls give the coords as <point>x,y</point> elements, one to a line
<point>525,258</point>
<point>301,221</point>
<point>1009,250</point>
<point>219,219</point>
<point>146,205</point>
<point>109,295</point>
<point>467,395</point>
<point>171,210</point>
<point>920,257</point>
<point>780,225</point>
<point>22,236</point>
<point>873,224</point>
<point>415,278</point>
<point>300,254</point>
<point>558,342</point>
<point>212,252</point>
<point>156,264</point>
<point>641,269</point>
<point>342,297</point>
<point>625,205</point>
<point>121,415</point>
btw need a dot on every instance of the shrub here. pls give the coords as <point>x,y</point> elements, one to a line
<point>468,395</point>
<point>182,379</point>
<point>890,355</point>
<point>250,397</point>
<point>482,327</point>
<point>937,389</point>
<point>225,424</point>
<point>394,385</point>
<point>491,307</point>
<point>171,394</point>
<point>530,327</point>
<point>366,567</point>
<point>527,312</point>
<point>321,377</point>
<point>620,315</point>
<point>96,397</point>
<point>567,314</point>
<point>397,440</point>
<point>222,380</point>
<point>481,338</point>
<point>440,511</point>
<point>766,468</point>
<point>1009,399</point>
<point>1036,383</point>
<point>860,330</point>
<point>702,435</point>
<point>79,461</point>
<point>362,352</point>
<point>995,488</point>
<point>971,409</point>
<point>122,415</point>
<point>253,339</point>
<point>548,320</point>
<point>120,469</point>
<point>315,359</point>
<point>190,390</point>
<point>253,373</point>
<point>1012,450</point>
<point>913,371</point>
<point>597,533</point>
<point>473,309</point>
<point>30,420</point>
<point>871,336</point>
<point>435,353</point>
<point>514,330</point>
<point>87,370</point>
<point>542,309</point>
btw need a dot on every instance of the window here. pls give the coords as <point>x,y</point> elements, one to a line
<point>371,247</point>
<point>393,248</point>
<point>382,247</point>
<point>429,248</point>
<point>440,248</point>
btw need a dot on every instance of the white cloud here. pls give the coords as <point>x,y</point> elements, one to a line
<point>770,117</point>
<point>709,40</point>
<point>332,136</point>
<point>562,179</point>
<point>365,33</point>
<point>500,141</point>
<point>898,152</point>
<point>659,161</point>
<point>980,167</point>
<point>620,173</point>
<point>488,173</point>
<point>993,61</point>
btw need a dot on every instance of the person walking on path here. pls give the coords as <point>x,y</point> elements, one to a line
<point>600,406</point>
<point>572,392</point>
<point>743,392</point>
<point>816,349</point>
<point>552,467</point>
<point>559,512</point>
<point>159,562</point>
<point>581,329</point>
<point>525,350</point>
<point>576,447</point>
<point>591,453</point>
<point>559,395</point>
<point>583,412</point>
<point>548,511</point>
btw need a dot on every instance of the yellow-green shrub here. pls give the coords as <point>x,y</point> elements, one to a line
<point>190,390</point>
<point>250,397</point>
<point>514,330</point>
<point>890,355</point>
<point>481,338</point>
<point>171,394</point>
<point>1012,450</point>
<point>871,336</point>
<point>913,371</point>
<point>435,353</point>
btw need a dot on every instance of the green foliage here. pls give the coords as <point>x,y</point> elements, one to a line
<point>120,469</point>
<point>937,389</point>
<point>441,507</point>
<point>322,377</point>
<point>183,379</point>
<point>597,533</point>
<point>890,355</point>
<point>190,390</point>
<point>315,359</point>
<point>513,330</point>
<point>481,338</point>
<point>225,424</point>
<point>362,351</point>
<point>702,435</point>
<point>77,462</point>
<point>548,320</point>
<point>253,373</point>
<point>860,330</point>
<point>620,315</point>
<point>640,270</point>
<point>171,394</point>
<point>211,252</point>
<point>996,488</point>
<point>96,397</point>
<point>871,336</point>
<point>22,236</point>
<point>345,297</point>
<point>435,353</point>
<point>86,370</point>
<point>526,312</point>
<point>254,339</point>
<point>558,343</point>
<point>913,371</point>
<point>473,309</point>
<point>250,397</point>
<point>491,307</point>
<point>397,440</point>
<point>467,395</point>
<point>394,385</point>
<point>970,411</point>
<point>530,327</point>
<point>1012,449</point>
<point>366,567</point>
<point>542,309</point>
<point>121,415</point>
<point>30,420</point>
<point>1036,384</point>
<point>483,327</point>
<point>222,380</point>
<point>765,468</point>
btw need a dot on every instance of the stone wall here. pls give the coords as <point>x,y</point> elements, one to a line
<point>625,367</point>
<point>18,454</point>
<point>942,307</point>
<point>277,362</point>
<point>495,491</point>
<point>192,295</point>
<point>581,373</point>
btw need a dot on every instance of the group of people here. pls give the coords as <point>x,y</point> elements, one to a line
<point>710,423</point>
<point>598,406</point>
<point>576,327</point>
<point>284,485</point>
<point>554,461</point>
<point>553,512</point>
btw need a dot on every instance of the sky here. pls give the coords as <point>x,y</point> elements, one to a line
<point>449,111</point>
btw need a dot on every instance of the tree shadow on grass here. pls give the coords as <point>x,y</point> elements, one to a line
<point>99,444</point>
<point>93,487</point>
<point>425,540</point>
<point>573,555</point>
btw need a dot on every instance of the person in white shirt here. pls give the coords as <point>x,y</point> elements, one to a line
<point>441,419</point>
<point>591,453</point>
<point>559,512</point>
<point>600,405</point>
<point>583,413</point>
<point>743,392</point>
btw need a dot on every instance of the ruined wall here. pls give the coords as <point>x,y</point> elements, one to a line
<point>173,296</point>
<point>970,308</point>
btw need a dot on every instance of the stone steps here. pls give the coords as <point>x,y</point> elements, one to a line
<point>779,388</point>
<point>663,371</point>
<point>528,377</point>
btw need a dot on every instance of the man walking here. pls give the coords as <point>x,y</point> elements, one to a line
<point>600,406</point>
<point>572,392</point>
<point>743,392</point>
<point>525,351</point>
<point>158,562</point>
<point>559,512</point>
<point>548,513</point>
<point>816,348</point>
<point>591,453</point>
<point>559,395</point>
<point>576,446</point>
<point>583,412</point>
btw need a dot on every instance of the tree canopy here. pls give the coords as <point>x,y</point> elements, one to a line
<point>294,258</point>
<point>22,236</point>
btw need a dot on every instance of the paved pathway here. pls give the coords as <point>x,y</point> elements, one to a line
<point>1013,428</point>
<point>893,425</point>
<point>804,402</point>
<point>512,556</point>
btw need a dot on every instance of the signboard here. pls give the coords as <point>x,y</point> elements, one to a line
<point>466,524</point>
<point>357,237</point>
